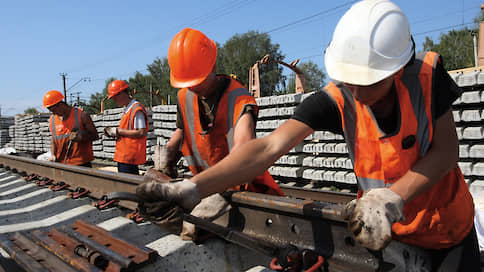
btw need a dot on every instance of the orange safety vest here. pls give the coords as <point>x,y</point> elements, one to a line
<point>131,150</point>
<point>80,152</point>
<point>443,215</point>
<point>202,149</point>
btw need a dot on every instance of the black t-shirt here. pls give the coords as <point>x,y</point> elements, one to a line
<point>320,112</point>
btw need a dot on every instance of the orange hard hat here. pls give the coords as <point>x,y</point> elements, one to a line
<point>116,87</point>
<point>51,98</point>
<point>191,57</point>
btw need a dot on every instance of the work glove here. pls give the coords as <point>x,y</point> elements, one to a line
<point>51,158</point>
<point>371,217</point>
<point>166,215</point>
<point>111,132</point>
<point>165,161</point>
<point>183,193</point>
<point>210,208</point>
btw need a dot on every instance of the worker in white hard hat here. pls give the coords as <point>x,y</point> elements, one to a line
<point>394,109</point>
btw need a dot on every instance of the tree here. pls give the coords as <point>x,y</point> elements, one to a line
<point>94,105</point>
<point>313,75</point>
<point>160,74</point>
<point>242,51</point>
<point>31,110</point>
<point>456,46</point>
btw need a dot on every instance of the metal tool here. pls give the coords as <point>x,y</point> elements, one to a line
<point>69,146</point>
<point>288,257</point>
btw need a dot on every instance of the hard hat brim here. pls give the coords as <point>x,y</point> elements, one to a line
<point>179,83</point>
<point>357,74</point>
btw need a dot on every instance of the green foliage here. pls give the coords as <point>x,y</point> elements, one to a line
<point>242,51</point>
<point>94,104</point>
<point>456,48</point>
<point>314,77</point>
<point>160,73</point>
<point>31,110</point>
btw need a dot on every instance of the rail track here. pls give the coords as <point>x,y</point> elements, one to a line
<point>308,219</point>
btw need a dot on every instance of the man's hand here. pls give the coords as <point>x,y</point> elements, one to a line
<point>210,208</point>
<point>111,132</point>
<point>183,193</point>
<point>165,161</point>
<point>371,217</point>
<point>75,136</point>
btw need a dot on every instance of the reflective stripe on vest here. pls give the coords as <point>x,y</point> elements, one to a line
<point>196,159</point>
<point>417,99</point>
<point>63,136</point>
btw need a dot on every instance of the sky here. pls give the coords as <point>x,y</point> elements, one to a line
<point>91,40</point>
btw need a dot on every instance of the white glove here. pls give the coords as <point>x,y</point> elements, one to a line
<point>183,193</point>
<point>210,208</point>
<point>51,158</point>
<point>371,217</point>
<point>111,132</point>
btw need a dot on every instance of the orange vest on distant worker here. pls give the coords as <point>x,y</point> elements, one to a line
<point>131,150</point>
<point>79,153</point>
<point>202,149</point>
<point>443,215</point>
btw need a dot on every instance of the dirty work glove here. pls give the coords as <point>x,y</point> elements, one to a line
<point>183,193</point>
<point>165,161</point>
<point>166,215</point>
<point>371,217</point>
<point>210,208</point>
<point>111,132</point>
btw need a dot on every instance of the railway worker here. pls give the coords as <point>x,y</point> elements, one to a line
<point>394,109</point>
<point>72,131</point>
<point>131,134</point>
<point>216,114</point>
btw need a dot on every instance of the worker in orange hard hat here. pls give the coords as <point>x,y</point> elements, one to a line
<point>72,131</point>
<point>131,134</point>
<point>393,107</point>
<point>216,113</point>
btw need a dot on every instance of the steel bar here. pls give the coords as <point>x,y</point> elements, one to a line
<point>137,254</point>
<point>115,257</point>
<point>41,255</point>
<point>61,250</point>
<point>26,261</point>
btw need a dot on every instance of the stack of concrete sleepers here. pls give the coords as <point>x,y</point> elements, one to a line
<point>5,135</point>
<point>97,146</point>
<point>28,135</point>
<point>320,162</point>
<point>468,112</point>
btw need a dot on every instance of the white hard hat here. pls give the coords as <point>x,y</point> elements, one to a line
<point>371,42</point>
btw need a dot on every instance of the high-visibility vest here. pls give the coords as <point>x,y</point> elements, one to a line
<point>80,152</point>
<point>443,215</point>
<point>131,150</point>
<point>202,149</point>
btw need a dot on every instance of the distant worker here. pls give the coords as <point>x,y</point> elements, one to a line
<point>394,109</point>
<point>72,131</point>
<point>216,113</point>
<point>131,134</point>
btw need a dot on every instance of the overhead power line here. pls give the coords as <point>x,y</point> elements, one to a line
<point>441,29</point>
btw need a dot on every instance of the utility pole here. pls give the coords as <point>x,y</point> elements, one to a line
<point>151,96</point>
<point>63,75</point>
